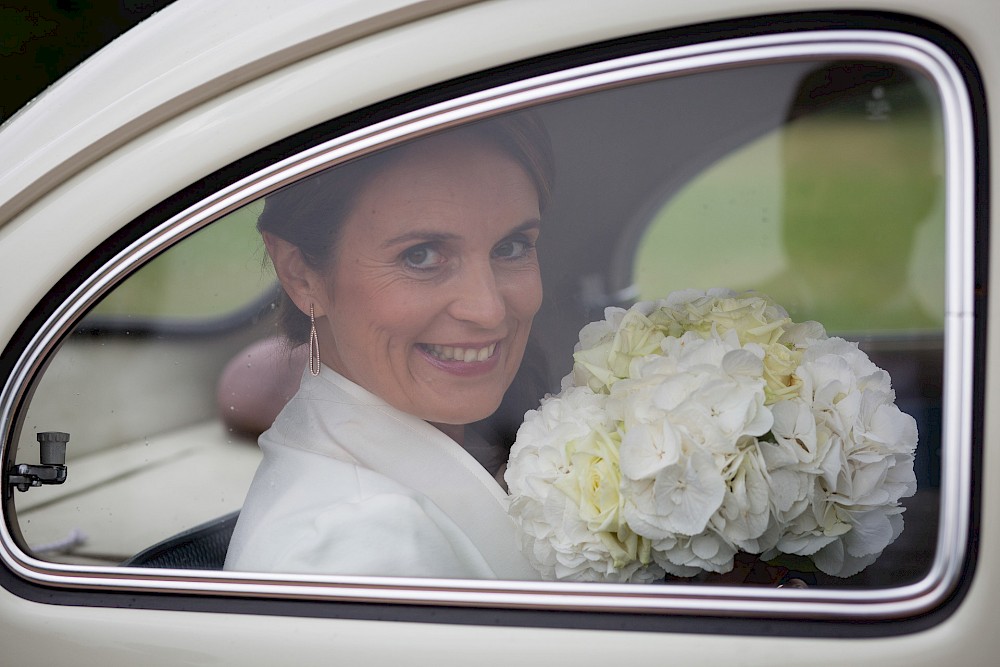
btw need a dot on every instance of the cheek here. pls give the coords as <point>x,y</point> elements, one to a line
<point>367,301</point>
<point>525,295</point>
<point>384,321</point>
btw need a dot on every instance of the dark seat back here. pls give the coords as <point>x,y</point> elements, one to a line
<point>200,548</point>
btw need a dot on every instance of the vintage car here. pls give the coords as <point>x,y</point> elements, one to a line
<point>834,155</point>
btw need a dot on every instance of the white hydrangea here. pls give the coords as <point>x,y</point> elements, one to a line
<point>706,424</point>
<point>683,417</point>
<point>854,460</point>
<point>686,556</point>
<point>564,482</point>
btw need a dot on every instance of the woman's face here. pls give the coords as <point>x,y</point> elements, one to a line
<point>435,281</point>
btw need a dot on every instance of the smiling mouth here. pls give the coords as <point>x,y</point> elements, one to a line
<point>466,354</point>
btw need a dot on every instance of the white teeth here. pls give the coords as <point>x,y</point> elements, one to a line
<point>466,354</point>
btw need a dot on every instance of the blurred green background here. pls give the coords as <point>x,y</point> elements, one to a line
<point>839,215</point>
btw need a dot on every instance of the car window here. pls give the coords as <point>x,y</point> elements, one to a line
<point>195,281</point>
<point>857,168</point>
<point>630,198</point>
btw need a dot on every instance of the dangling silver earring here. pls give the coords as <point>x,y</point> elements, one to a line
<point>313,343</point>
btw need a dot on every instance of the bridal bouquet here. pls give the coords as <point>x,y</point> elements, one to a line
<point>703,425</point>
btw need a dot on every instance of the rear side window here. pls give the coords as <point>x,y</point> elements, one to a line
<point>827,172</point>
<point>857,170</point>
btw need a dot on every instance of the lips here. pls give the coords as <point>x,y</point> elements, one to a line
<point>458,353</point>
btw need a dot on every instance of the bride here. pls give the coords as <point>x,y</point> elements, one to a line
<point>413,278</point>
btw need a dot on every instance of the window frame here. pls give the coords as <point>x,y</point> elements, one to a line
<point>959,403</point>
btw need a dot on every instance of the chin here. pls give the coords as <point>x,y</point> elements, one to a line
<point>467,414</point>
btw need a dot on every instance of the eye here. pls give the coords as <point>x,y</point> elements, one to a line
<point>423,256</point>
<point>513,248</point>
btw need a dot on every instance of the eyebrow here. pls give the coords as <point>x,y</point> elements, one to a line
<point>430,237</point>
<point>418,235</point>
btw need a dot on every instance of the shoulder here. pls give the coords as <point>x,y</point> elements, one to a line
<point>357,522</point>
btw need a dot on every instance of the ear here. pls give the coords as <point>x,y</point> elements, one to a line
<point>303,285</point>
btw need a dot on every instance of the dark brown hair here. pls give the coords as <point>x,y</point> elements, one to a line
<point>310,213</point>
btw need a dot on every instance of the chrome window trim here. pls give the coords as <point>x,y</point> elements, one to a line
<point>887,603</point>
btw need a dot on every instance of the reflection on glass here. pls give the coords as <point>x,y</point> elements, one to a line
<point>817,183</point>
<point>862,176</point>
<point>838,214</point>
<point>198,279</point>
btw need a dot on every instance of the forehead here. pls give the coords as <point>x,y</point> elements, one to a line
<point>447,179</point>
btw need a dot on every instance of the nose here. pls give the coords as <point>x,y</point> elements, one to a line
<point>478,297</point>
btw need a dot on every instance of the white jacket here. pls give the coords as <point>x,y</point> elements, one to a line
<point>351,486</point>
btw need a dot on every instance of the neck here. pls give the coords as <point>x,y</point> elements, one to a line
<point>454,431</point>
